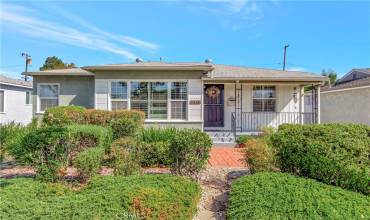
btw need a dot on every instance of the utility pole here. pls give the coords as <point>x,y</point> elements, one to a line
<point>28,61</point>
<point>285,47</point>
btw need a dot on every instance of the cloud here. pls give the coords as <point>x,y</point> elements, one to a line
<point>120,38</point>
<point>235,14</point>
<point>301,69</point>
<point>94,39</point>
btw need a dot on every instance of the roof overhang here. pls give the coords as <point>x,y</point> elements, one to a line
<point>55,73</point>
<point>16,85</point>
<point>150,68</point>
<point>306,80</point>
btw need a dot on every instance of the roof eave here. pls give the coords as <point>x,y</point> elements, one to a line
<point>271,79</point>
<point>117,68</point>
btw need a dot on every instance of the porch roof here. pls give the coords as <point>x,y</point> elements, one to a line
<point>226,72</point>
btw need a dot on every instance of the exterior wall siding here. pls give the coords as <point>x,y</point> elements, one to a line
<point>74,90</point>
<point>15,107</point>
<point>347,106</point>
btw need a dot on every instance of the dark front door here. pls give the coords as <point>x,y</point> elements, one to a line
<point>214,105</point>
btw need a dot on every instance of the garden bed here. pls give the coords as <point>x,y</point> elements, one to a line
<point>283,196</point>
<point>105,197</point>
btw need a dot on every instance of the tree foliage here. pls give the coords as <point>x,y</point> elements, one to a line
<point>56,63</point>
<point>331,74</point>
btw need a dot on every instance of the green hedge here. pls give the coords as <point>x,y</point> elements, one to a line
<point>51,149</point>
<point>63,115</point>
<point>189,151</point>
<point>284,196</point>
<point>124,123</point>
<point>336,154</point>
<point>105,197</point>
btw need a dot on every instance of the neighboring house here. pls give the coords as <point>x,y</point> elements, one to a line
<point>348,100</point>
<point>226,100</point>
<point>15,100</point>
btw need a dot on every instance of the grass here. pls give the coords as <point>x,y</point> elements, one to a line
<point>105,197</point>
<point>283,196</point>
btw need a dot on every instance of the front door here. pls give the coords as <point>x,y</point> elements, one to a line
<point>213,105</point>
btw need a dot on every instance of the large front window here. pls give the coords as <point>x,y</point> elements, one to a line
<point>160,100</point>
<point>264,99</point>
<point>49,96</point>
<point>118,95</point>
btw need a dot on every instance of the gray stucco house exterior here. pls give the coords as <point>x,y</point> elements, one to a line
<point>15,100</point>
<point>211,97</point>
<point>348,100</point>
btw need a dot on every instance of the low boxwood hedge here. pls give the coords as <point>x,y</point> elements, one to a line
<point>336,154</point>
<point>283,196</point>
<point>105,197</point>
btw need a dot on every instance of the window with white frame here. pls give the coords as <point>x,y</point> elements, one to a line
<point>28,97</point>
<point>264,99</point>
<point>118,95</point>
<point>158,100</point>
<point>179,100</point>
<point>48,96</point>
<point>139,96</point>
<point>2,101</point>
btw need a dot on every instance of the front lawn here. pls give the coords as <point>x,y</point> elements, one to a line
<point>105,197</point>
<point>283,196</point>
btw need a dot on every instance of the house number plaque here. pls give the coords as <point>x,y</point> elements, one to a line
<point>194,102</point>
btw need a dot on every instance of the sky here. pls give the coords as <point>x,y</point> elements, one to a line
<point>321,34</point>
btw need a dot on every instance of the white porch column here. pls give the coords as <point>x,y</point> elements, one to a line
<point>301,104</point>
<point>318,105</point>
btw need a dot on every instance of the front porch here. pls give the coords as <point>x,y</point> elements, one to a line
<point>247,108</point>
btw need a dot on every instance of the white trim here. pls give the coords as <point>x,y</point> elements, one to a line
<point>30,98</point>
<point>38,96</point>
<point>275,98</point>
<point>345,89</point>
<point>4,104</point>
<point>16,85</point>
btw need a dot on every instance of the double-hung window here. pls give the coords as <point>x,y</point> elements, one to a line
<point>48,96</point>
<point>158,100</point>
<point>118,95</point>
<point>179,100</point>
<point>264,98</point>
<point>139,96</point>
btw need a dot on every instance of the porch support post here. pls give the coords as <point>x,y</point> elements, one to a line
<point>301,104</point>
<point>318,105</point>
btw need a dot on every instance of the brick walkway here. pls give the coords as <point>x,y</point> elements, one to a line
<point>226,157</point>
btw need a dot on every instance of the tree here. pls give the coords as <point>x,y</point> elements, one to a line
<point>56,63</point>
<point>331,74</point>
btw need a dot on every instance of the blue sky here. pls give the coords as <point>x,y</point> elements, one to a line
<point>321,34</point>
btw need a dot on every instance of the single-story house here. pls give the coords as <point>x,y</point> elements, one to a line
<point>223,99</point>
<point>15,100</point>
<point>348,100</point>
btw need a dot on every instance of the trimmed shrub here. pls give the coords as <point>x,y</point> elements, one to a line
<point>284,196</point>
<point>154,134</point>
<point>104,197</point>
<point>88,162</point>
<point>63,115</point>
<point>259,155</point>
<point>123,122</point>
<point>189,152</point>
<point>336,154</point>
<point>51,149</point>
<point>46,149</point>
<point>126,157</point>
